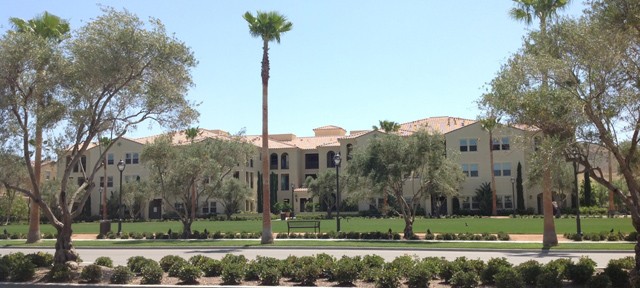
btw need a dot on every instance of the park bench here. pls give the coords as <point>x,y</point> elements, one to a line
<point>315,224</point>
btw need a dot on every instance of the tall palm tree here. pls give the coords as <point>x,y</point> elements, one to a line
<point>52,28</point>
<point>191,134</point>
<point>387,126</point>
<point>543,10</point>
<point>268,26</point>
<point>490,124</point>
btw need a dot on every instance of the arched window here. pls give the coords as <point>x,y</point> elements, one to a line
<point>284,161</point>
<point>330,163</point>
<point>349,150</point>
<point>273,160</point>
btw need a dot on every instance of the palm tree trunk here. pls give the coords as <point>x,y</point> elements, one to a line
<point>267,234</point>
<point>549,237</point>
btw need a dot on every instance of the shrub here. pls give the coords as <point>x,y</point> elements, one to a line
<point>388,278</point>
<point>507,277</point>
<point>503,236</point>
<point>174,271</point>
<point>326,263</point>
<point>270,276</point>
<point>136,263</point>
<point>617,271</point>
<point>151,273</point>
<point>529,271</point>
<point>121,275</point>
<point>549,279</point>
<point>371,267</point>
<point>582,271</point>
<point>307,270</point>
<point>20,268</point>
<point>465,279</point>
<point>211,268</point>
<point>4,271</point>
<point>421,274</point>
<point>59,273</point>
<point>493,266</point>
<point>41,259</point>
<point>252,270</point>
<point>197,260</point>
<point>91,273</point>
<point>289,266</point>
<point>167,261</point>
<point>558,266</point>
<point>104,261</point>
<point>600,281</point>
<point>346,270</point>
<point>232,272</point>
<point>189,274</point>
<point>404,264</point>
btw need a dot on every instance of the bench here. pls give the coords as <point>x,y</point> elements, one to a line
<point>303,224</point>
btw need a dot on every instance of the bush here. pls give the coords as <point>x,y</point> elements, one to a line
<point>91,273</point>
<point>20,267</point>
<point>252,270</point>
<point>151,273</point>
<point>4,271</point>
<point>41,259</point>
<point>508,277</point>
<point>59,273</point>
<point>404,264</point>
<point>493,266</point>
<point>421,274</point>
<point>232,272</point>
<point>582,271</point>
<point>617,271</point>
<point>529,271</point>
<point>388,278</point>
<point>104,261</point>
<point>558,266</point>
<point>346,270</point>
<point>136,263</point>
<point>465,279</point>
<point>326,263</point>
<point>503,236</point>
<point>270,275</point>
<point>371,267</point>
<point>121,275</point>
<point>211,268</point>
<point>549,279</point>
<point>174,271</point>
<point>189,274</point>
<point>197,260</point>
<point>600,281</point>
<point>167,261</point>
<point>307,270</point>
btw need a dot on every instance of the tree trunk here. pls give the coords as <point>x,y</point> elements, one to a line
<point>549,237</point>
<point>408,228</point>
<point>267,234</point>
<point>64,246</point>
<point>186,229</point>
<point>34,212</point>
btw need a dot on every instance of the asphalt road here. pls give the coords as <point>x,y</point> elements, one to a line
<point>120,256</point>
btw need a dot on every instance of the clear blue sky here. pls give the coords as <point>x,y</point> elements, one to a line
<point>345,63</point>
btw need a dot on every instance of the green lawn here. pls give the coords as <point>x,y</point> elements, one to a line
<point>357,224</point>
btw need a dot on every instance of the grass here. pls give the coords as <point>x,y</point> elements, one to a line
<point>326,244</point>
<point>358,224</point>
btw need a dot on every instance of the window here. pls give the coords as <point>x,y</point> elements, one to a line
<point>502,169</point>
<point>80,165</point>
<point>349,150</point>
<point>470,203</point>
<point>131,158</point>
<point>468,145</point>
<point>501,144</point>
<point>251,179</point>
<point>209,208</point>
<point>508,203</point>
<point>284,161</point>
<point>236,174</point>
<point>251,163</point>
<point>311,161</point>
<point>470,170</point>
<point>178,206</point>
<point>284,182</point>
<point>110,159</point>
<point>273,160</point>
<point>131,178</point>
<point>110,181</point>
<point>330,162</point>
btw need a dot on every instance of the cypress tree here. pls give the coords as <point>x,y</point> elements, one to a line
<point>587,188</point>
<point>259,193</point>
<point>519,188</point>
<point>274,188</point>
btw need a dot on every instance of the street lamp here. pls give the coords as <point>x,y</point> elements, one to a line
<point>121,167</point>
<point>293,203</point>
<point>336,160</point>
<point>513,195</point>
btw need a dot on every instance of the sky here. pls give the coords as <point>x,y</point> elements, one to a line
<point>344,63</point>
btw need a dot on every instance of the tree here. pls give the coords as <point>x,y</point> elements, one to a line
<point>519,187</point>
<point>205,165</point>
<point>52,29</point>
<point>543,10</point>
<point>387,126</point>
<point>231,195</point>
<point>587,188</point>
<point>136,197</point>
<point>259,192</point>
<point>390,161</point>
<point>268,26</point>
<point>489,124</point>
<point>484,197</point>
<point>191,134</point>
<point>14,174</point>
<point>111,76</point>
<point>324,188</point>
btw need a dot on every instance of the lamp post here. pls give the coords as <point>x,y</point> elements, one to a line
<point>336,160</point>
<point>293,202</point>
<point>513,195</point>
<point>121,167</point>
<point>575,188</point>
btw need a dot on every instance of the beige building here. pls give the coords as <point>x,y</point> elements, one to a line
<point>292,159</point>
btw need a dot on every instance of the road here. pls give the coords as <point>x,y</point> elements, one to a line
<point>120,256</point>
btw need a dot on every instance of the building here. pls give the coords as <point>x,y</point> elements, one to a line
<point>292,159</point>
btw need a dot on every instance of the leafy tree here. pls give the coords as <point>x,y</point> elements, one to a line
<point>268,26</point>
<point>232,195</point>
<point>205,165</point>
<point>111,75</point>
<point>136,196</point>
<point>390,161</point>
<point>324,187</point>
<point>13,173</point>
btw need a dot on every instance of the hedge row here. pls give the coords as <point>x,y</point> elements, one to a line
<point>345,271</point>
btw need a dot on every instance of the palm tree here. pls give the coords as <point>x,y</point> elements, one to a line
<point>52,28</point>
<point>387,126</point>
<point>490,124</point>
<point>268,26</point>
<point>543,10</point>
<point>191,134</point>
